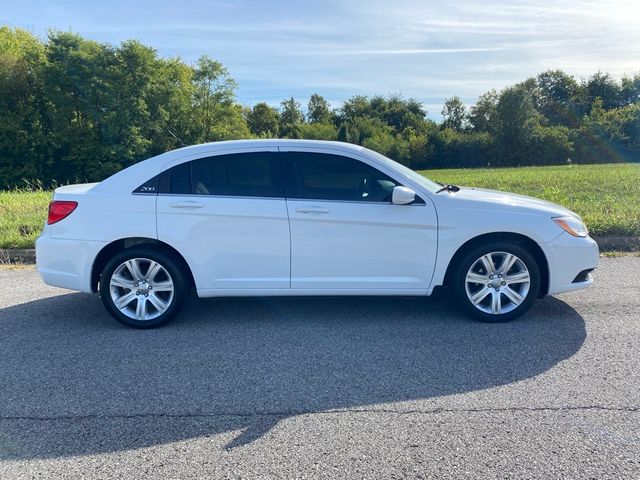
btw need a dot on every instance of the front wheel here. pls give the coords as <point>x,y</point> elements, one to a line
<point>496,282</point>
<point>142,288</point>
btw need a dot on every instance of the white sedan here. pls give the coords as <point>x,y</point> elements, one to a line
<point>296,217</point>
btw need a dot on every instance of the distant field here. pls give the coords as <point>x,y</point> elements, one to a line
<point>606,196</point>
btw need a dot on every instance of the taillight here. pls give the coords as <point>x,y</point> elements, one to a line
<point>59,209</point>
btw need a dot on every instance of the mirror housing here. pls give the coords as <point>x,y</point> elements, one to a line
<point>402,196</point>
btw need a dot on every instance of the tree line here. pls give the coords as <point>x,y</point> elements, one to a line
<point>72,109</point>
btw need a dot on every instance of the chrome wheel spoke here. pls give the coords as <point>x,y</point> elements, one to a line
<point>507,263</point>
<point>158,304</point>
<point>512,295</point>
<point>134,269</point>
<point>496,303</point>
<point>119,281</point>
<point>141,308</point>
<point>479,295</point>
<point>153,270</point>
<point>163,286</point>
<point>473,277</point>
<point>487,263</point>
<point>519,277</point>
<point>124,300</point>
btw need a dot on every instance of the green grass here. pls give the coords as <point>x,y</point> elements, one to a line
<point>22,214</point>
<point>606,196</point>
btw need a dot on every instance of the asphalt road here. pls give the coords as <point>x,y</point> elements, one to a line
<point>321,388</point>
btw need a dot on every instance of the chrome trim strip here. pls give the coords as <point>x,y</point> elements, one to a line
<point>198,195</point>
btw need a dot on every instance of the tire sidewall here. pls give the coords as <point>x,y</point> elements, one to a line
<point>172,267</point>
<point>471,256</point>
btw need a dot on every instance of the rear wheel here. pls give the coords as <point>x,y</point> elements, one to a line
<point>496,282</point>
<point>142,288</point>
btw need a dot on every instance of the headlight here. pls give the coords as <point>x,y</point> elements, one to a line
<point>572,225</point>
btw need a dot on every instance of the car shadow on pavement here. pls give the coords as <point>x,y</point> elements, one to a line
<point>75,382</point>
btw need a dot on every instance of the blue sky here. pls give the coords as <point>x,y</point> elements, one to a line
<point>428,50</point>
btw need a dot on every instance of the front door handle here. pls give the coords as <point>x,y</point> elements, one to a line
<point>312,210</point>
<point>187,205</point>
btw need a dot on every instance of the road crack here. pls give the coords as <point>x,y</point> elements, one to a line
<point>285,414</point>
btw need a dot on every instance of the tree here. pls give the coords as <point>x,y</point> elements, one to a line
<point>603,86</point>
<point>213,96</point>
<point>609,135</point>
<point>318,110</point>
<point>291,118</point>
<point>454,114</point>
<point>514,120</point>
<point>630,89</point>
<point>23,134</point>
<point>318,131</point>
<point>550,145</point>
<point>557,98</point>
<point>481,116</point>
<point>263,120</point>
<point>355,107</point>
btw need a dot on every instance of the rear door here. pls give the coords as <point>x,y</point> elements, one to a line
<point>227,215</point>
<point>346,235</point>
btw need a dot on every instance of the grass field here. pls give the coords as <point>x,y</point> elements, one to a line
<point>22,214</point>
<point>606,196</point>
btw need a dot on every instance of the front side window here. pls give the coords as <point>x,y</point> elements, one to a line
<point>333,177</point>
<point>241,174</point>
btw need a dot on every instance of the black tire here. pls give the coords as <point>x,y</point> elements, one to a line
<point>470,257</point>
<point>175,274</point>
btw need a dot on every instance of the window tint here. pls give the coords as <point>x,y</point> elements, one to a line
<point>333,177</point>
<point>242,174</point>
<point>181,178</point>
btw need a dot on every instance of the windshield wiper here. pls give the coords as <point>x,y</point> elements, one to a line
<point>448,188</point>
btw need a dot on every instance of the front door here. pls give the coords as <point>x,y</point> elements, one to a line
<point>347,235</point>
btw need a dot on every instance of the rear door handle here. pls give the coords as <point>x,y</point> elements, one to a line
<point>312,210</point>
<point>187,205</point>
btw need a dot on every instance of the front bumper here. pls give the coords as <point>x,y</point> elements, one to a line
<point>66,263</point>
<point>568,257</point>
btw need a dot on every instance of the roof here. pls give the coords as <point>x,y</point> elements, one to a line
<point>270,142</point>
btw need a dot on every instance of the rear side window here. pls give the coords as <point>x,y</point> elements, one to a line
<point>334,177</point>
<point>243,174</point>
<point>180,180</point>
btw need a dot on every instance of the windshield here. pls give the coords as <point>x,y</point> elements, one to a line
<point>415,176</point>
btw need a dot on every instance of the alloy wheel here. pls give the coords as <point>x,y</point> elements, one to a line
<point>497,283</point>
<point>141,289</point>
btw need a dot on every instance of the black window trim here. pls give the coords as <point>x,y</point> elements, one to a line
<point>164,180</point>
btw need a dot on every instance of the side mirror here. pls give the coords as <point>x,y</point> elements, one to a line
<point>402,196</point>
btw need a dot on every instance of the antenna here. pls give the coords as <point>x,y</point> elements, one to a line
<point>182,144</point>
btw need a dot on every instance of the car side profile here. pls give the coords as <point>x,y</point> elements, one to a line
<point>301,217</point>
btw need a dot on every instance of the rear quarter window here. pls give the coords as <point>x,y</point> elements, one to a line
<point>150,187</point>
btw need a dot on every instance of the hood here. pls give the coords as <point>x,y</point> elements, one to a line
<point>481,198</point>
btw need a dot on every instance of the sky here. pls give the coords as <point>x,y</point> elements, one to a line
<point>427,50</point>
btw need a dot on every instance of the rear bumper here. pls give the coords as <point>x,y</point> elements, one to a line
<point>568,257</point>
<point>66,263</point>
